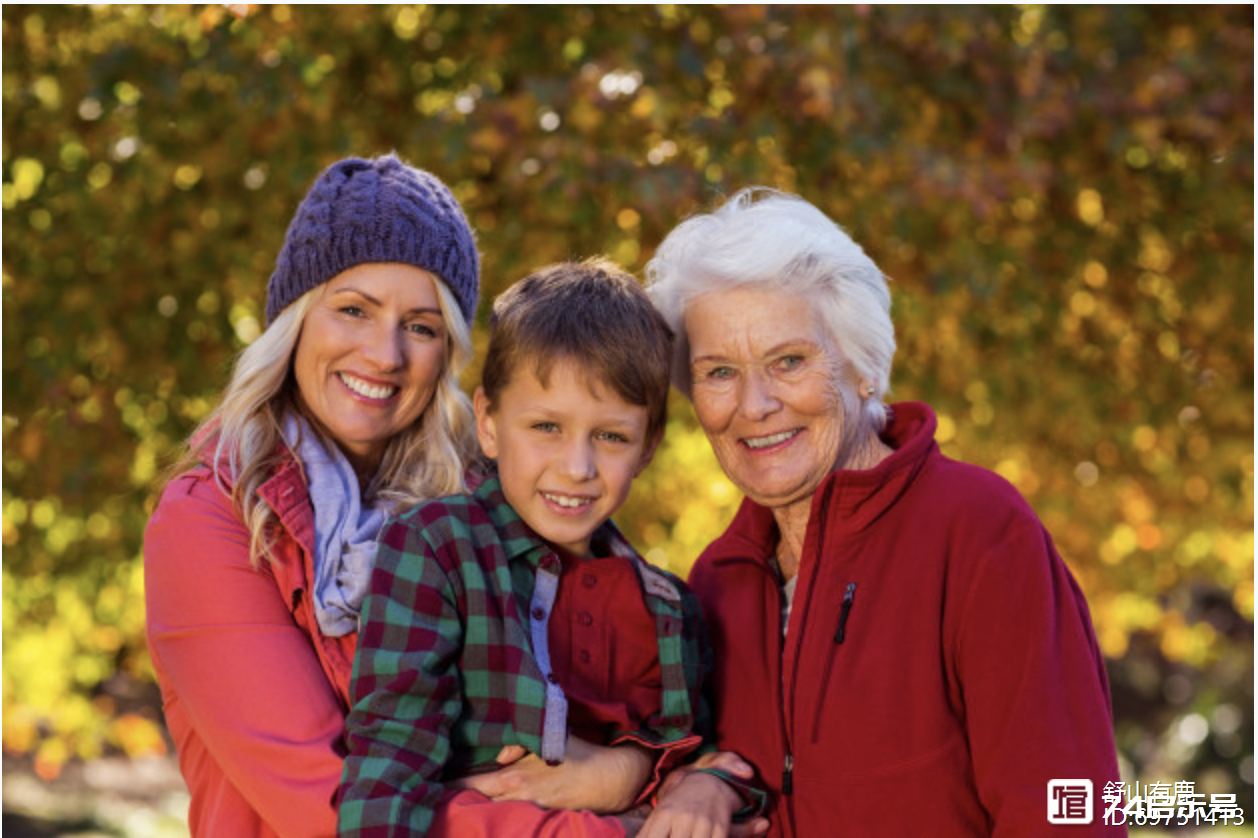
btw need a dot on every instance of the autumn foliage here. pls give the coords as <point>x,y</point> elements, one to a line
<point>1061,195</point>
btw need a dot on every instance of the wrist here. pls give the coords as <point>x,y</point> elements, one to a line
<point>750,800</point>
<point>634,763</point>
<point>717,787</point>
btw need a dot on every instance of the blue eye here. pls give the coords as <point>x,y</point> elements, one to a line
<point>790,362</point>
<point>612,436</point>
<point>545,427</point>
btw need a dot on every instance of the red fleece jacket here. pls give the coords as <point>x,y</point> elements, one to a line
<point>959,678</point>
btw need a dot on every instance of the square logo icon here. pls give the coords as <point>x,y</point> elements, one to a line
<point>1070,802</point>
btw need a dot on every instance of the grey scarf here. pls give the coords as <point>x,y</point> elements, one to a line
<point>345,531</point>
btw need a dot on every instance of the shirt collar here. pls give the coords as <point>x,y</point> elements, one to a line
<point>518,539</point>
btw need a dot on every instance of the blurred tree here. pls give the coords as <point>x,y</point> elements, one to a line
<point>1063,197</point>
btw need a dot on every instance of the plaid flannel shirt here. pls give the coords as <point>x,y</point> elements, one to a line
<point>448,672</point>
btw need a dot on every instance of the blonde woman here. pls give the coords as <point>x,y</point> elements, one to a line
<point>260,551</point>
<point>258,557</point>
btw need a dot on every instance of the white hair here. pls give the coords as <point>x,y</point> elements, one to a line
<point>242,436</point>
<point>769,239</point>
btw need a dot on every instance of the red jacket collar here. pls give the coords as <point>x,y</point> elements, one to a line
<point>857,498</point>
<point>284,490</point>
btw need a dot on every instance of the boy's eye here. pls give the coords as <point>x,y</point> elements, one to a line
<point>612,436</point>
<point>545,427</point>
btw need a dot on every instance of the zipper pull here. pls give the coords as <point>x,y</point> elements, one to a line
<point>844,611</point>
<point>787,772</point>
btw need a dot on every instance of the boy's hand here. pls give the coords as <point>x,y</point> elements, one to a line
<point>591,777</point>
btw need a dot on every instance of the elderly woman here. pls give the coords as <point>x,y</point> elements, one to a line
<point>900,650</point>
<point>260,551</point>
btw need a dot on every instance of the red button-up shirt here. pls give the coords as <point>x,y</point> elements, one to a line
<point>604,648</point>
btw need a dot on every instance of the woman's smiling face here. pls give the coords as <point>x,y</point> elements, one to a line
<point>767,386</point>
<point>371,352</point>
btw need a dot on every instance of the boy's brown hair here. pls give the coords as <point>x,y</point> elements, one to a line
<point>593,313</point>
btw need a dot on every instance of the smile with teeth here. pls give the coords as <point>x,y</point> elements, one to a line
<point>567,501</point>
<point>766,441</point>
<point>362,388</point>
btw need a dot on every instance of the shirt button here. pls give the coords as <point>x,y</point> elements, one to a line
<point>585,619</point>
<point>583,656</point>
<point>589,580</point>
<point>539,614</point>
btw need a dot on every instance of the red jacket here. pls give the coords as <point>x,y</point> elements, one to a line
<point>959,678</point>
<point>254,695</point>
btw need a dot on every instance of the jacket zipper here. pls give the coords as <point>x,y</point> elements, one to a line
<point>840,634</point>
<point>848,596</point>
<point>789,760</point>
<point>788,765</point>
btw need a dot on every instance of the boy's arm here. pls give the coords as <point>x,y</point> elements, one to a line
<point>695,798</point>
<point>596,777</point>
<point>665,757</point>
<point>405,693</point>
<point>737,775</point>
<point>689,642</point>
<point>469,814</point>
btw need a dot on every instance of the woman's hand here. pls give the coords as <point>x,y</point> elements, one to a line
<point>633,819</point>
<point>593,777</point>
<point>698,805</point>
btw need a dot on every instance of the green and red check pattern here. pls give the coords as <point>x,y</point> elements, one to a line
<point>445,673</point>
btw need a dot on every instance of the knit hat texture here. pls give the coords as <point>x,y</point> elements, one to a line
<point>379,210</point>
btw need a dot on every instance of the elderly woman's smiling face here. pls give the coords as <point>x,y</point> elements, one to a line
<point>768,388</point>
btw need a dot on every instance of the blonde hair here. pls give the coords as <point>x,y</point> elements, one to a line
<point>242,439</point>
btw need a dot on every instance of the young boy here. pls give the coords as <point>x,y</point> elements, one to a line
<point>519,614</point>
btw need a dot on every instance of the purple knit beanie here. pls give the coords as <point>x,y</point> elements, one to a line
<point>379,210</point>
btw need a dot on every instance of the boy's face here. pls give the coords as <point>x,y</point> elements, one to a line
<point>566,453</point>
